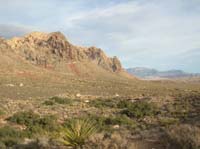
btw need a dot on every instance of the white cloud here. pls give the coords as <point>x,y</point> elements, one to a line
<point>10,30</point>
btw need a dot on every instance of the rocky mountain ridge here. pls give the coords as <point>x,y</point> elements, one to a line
<point>50,49</point>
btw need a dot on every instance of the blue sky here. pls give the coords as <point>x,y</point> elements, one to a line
<point>161,34</point>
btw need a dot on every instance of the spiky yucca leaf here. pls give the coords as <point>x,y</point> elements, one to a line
<point>77,131</point>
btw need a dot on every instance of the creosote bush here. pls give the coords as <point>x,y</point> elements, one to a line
<point>60,100</point>
<point>137,109</point>
<point>57,100</point>
<point>183,136</point>
<point>34,123</point>
<point>48,102</point>
<point>24,118</point>
<point>101,103</point>
<point>1,112</point>
<point>10,136</point>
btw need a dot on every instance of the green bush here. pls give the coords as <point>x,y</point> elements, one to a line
<point>168,121</point>
<point>48,122</point>
<point>2,112</point>
<point>138,109</point>
<point>10,136</point>
<point>8,131</point>
<point>44,124</point>
<point>100,103</point>
<point>60,100</point>
<point>123,104</point>
<point>2,145</point>
<point>183,136</point>
<point>49,103</point>
<point>24,118</point>
<point>118,120</point>
<point>121,120</point>
<point>34,123</point>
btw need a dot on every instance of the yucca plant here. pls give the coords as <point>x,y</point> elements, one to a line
<point>77,131</point>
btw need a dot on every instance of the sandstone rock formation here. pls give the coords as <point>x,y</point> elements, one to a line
<point>45,49</point>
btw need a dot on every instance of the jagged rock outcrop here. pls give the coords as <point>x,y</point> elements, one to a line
<point>49,49</point>
<point>116,64</point>
<point>3,45</point>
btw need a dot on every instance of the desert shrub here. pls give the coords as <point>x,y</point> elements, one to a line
<point>48,103</point>
<point>2,112</point>
<point>112,141</point>
<point>61,100</point>
<point>107,123</point>
<point>100,103</point>
<point>184,137</point>
<point>8,131</point>
<point>168,121</point>
<point>48,122</point>
<point>123,104</point>
<point>2,145</point>
<point>34,123</point>
<point>180,110</point>
<point>10,136</point>
<point>100,121</point>
<point>44,124</point>
<point>121,120</point>
<point>9,142</point>
<point>24,118</point>
<point>139,109</point>
<point>77,131</point>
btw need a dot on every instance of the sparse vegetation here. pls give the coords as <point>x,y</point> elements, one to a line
<point>10,136</point>
<point>166,122</point>
<point>109,123</point>
<point>119,119</point>
<point>24,118</point>
<point>1,112</point>
<point>60,100</point>
<point>34,123</point>
<point>102,103</point>
<point>49,102</point>
<point>137,109</point>
<point>184,136</point>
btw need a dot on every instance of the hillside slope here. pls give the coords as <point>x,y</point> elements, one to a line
<point>47,64</point>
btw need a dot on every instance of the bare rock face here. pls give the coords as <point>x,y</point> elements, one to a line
<point>49,49</point>
<point>116,64</point>
<point>111,64</point>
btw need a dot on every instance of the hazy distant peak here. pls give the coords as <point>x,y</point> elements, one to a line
<point>146,73</point>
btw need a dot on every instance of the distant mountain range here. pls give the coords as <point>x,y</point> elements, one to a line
<point>148,73</point>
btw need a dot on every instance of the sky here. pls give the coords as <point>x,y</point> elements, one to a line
<point>161,34</point>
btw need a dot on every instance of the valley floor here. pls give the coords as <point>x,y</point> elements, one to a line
<point>130,114</point>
